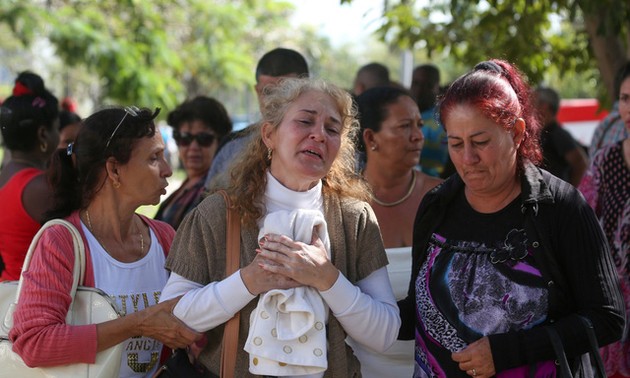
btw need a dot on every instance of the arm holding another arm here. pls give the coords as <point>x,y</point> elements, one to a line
<point>205,307</point>
<point>40,334</point>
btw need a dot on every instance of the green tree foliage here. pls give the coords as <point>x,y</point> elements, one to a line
<point>340,63</point>
<point>572,36</point>
<point>151,52</point>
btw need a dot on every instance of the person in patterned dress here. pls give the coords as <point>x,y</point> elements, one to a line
<point>606,187</point>
<point>504,251</point>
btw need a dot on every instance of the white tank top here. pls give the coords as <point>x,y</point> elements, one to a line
<point>133,286</point>
<point>398,360</point>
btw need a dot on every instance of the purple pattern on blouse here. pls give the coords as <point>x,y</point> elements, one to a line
<point>459,289</point>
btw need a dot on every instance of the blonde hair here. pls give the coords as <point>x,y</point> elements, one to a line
<point>248,175</point>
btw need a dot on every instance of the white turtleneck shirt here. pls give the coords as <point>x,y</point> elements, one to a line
<point>358,308</point>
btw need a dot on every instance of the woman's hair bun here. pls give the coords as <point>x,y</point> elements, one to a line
<point>29,83</point>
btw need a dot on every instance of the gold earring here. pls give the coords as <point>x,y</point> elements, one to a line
<point>269,153</point>
<point>116,184</point>
<point>43,146</point>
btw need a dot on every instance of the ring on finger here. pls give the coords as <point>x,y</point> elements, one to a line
<point>474,372</point>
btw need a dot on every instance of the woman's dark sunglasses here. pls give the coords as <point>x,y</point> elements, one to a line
<point>185,139</point>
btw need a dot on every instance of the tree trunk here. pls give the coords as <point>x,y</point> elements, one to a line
<point>607,48</point>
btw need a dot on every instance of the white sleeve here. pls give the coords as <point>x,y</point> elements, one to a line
<point>205,307</point>
<point>361,308</point>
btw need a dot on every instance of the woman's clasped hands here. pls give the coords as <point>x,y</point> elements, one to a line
<point>282,263</point>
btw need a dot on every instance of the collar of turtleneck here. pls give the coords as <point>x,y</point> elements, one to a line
<point>279,197</point>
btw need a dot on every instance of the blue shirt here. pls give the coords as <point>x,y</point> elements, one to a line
<point>435,151</point>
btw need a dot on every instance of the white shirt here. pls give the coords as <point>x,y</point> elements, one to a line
<point>398,360</point>
<point>134,287</point>
<point>358,308</point>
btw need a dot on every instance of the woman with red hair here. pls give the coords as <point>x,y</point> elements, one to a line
<point>504,253</point>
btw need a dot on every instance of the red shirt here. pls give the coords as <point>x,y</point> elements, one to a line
<point>17,228</point>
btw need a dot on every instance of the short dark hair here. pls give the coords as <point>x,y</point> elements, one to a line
<point>433,73</point>
<point>377,73</point>
<point>66,118</point>
<point>282,62</point>
<point>548,96</point>
<point>372,108</point>
<point>205,109</point>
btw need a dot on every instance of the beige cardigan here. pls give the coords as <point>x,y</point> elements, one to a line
<point>198,254</point>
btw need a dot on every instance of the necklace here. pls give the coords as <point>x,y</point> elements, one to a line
<point>412,186</point>
<point>89,221</point>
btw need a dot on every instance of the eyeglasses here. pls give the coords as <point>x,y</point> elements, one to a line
<point>185,139</point>
<point>132,111</point>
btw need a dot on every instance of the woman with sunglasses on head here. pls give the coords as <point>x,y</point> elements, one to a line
<point>115,165</point>
<point>198,126</point>
<point>29,123</point>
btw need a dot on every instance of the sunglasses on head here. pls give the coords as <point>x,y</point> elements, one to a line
<point>135,112</point>
<point>129,110</point>
<point>185,139</point>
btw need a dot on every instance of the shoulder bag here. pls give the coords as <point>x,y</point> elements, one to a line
<point>562,363</point>
<point>89,306</point>
<point>181,364</point>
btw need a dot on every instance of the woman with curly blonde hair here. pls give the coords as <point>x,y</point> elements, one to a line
<point>296,179</point>
<point>248,180</point>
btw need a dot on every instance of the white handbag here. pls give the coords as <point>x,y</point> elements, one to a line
<point>89,306</point>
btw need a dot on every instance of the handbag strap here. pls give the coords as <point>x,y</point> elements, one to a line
<point>78,270</point>
<point>561,357</point>
<point>232,264</point>
<point>596,358</point>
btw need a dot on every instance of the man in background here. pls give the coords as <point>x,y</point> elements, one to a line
<point>425,88</point>
<point>371,75</point>
<point>562,155</point>
<point>275,65</point>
